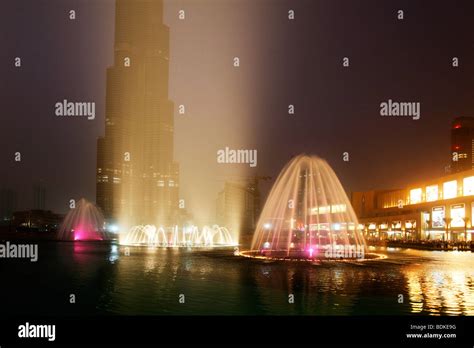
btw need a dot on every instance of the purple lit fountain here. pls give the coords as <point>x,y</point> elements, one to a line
<point>83,223</point>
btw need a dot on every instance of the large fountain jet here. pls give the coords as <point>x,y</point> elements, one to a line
<point>307,212</point>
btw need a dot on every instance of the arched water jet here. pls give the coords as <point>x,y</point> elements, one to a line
<point>308,216</point>
<point>85,222</point>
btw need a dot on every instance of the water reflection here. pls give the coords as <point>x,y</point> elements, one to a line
<point>316,290</point>
<point>443,286</point>
<point>108,279</point>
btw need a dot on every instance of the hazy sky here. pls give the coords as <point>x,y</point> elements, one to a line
<point>282,62</point>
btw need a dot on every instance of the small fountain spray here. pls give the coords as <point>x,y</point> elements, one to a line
<point>85,222</point>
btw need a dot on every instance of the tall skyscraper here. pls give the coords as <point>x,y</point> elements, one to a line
<point>137,178</point>
<point>462,144</point>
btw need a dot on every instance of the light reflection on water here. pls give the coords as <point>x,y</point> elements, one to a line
<point>443,286</point>
<point>149,281</point>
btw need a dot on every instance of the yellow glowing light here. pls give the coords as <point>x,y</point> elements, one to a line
<point>338,208</point>
<point>432,193</point>
<point>415,196</point>
<point>396,224</point>
<point>326,209</point>
<point>468,186</point>
<point>450,189</point>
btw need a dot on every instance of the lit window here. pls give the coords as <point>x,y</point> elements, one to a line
<point>431,193</point>
<point>468,186</point>
<point>325,209</point>
<point>458,213</point>
<point>450,189</point>
<point>415,196</point>
<point>437,217</point>
<point>338,208</point>
<point>161,183</point>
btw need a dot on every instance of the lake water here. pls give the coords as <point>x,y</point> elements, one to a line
<point>214,282</point>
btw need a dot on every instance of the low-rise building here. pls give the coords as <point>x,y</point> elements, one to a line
<point>36,220</point>
<point>439,209</point>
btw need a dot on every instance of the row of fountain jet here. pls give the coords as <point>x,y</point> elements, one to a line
<point>307,210</point>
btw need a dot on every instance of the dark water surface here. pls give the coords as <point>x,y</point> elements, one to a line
<point>150,281</point>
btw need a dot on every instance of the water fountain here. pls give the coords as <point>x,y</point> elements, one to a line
<point>188,236</point>
<point>307,216</point>
<point>83,223</point>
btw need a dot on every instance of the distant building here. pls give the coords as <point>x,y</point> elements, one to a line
<point>462,144</point>
<point>236,207</point>
<point>438,209</point>
<point>39,197</point>
<point>8,204</point>
<point>36,220</point>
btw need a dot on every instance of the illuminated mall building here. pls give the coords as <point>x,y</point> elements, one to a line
<point>440,209</point>
<point>137,178</point>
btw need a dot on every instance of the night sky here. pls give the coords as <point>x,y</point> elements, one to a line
<point>283,62</point>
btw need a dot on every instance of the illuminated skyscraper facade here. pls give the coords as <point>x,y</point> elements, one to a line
<point>137,178</point>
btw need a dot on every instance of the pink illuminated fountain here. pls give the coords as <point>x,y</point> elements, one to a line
<point>307,216</point>
<point>83,223</point>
